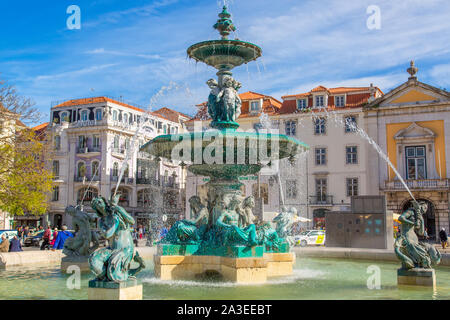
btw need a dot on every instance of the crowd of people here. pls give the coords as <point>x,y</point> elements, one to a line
<point>52,239</point>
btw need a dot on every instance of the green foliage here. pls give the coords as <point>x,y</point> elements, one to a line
<point>24,180</point>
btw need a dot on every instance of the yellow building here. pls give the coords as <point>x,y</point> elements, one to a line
<point>411,124</point>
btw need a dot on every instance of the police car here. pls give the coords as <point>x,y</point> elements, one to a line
<point>311,237</point>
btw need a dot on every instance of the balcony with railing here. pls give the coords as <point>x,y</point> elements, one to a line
<point>321,200</point>
<point>84,150</point>
<point>426,184</point>
<point>124,180</point>
<point>148,181</point>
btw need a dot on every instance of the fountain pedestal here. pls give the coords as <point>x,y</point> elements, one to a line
<point>417,277</point>
<point>127,290</point>
<point>243,266</point>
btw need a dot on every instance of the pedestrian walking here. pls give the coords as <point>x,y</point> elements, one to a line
<point>61,238</point>
<point>444,238</point>
<point>46,238</point>
<point>54,236</point>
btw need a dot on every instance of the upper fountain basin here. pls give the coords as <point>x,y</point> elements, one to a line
<point>225,146</point>
<point>224,54</point>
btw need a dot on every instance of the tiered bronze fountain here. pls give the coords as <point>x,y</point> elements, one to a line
<point>223,237</point>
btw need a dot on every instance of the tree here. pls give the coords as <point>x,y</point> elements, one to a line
<point>25,182</point>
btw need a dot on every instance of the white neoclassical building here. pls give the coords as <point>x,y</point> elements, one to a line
<point>95,141</point>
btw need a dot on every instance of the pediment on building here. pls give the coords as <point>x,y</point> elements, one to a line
<point>414,131</point>
<point>411,93</point>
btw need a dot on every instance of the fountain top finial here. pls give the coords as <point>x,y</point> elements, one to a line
<point>225,25</point>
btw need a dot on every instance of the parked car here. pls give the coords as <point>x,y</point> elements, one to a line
<point>9,234</point>
<point>34,240</point>
<point>311,237</point>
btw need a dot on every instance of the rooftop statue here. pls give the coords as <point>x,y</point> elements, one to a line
<point>80,244</point>
<point>409,250</point>
<point>112,263</point>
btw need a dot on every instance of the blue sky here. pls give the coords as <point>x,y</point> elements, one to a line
<point>134,48</point>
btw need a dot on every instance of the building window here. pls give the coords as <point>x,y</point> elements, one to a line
<point>301,104</point>
<point>98,114</point>
<point>95,168</point>
<point>264,191</point>
<point>319,126</point>
<point>127,143</point>
<point>84,115</point>
<point>416,163</point>
<point>57,142</point>
<point>115,171</point>
<point>96,142</point>
<point>125,118</point>
<point>320,101</point>
<point>254,106</point>
<point>340,101</point>
<point>351,154</point>
<point>81,169</point>
<point>116,142</point>
<point>291,127</point>
<point>82,142</point>
<point>321,190</point>
<point>352,187</point>
<point>55,194</point>
<point>321,156</point>
<point>115,115</point>
<point>87,195</point>
<point>291,189</point>
<point>350,124</point>
<point>64,117</point>
<point>55,169</point>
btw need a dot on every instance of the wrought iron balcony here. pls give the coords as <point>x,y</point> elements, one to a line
<point>426,184</point>
<point>321,200</point>
<point>152,182</point>
<point>82,150</point>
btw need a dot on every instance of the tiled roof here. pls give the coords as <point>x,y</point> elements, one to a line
<point>171,114</point>
<point>355,97</point>
<point>40,127</point>
<point>84,101</point>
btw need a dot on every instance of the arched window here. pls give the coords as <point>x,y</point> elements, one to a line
<point>125,118</point>
<point>84,115</point>
<point>64,117</point>
<point>115,171</point>
<point>98,114</point>
<point>95,169</point>
<point>126,173</point>
<point>115,115</point>
<point>86,195</point>
<point>81,169</point>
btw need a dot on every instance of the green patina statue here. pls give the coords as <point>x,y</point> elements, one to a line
<point>187,231</point>
<point>112,264</point>
<point>415,254</point>
<point>224,103</point>
<point>80,244</point>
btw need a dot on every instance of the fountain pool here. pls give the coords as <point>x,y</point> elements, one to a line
<point>313,278</point>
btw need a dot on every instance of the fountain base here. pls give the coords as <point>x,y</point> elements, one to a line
<point>251,270</point>
<point>128,290</point>
<point>416,277</point>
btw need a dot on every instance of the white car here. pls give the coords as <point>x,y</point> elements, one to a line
<point>311,237</point>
